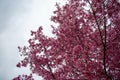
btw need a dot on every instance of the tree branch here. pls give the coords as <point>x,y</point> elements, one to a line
<point>49,67</point>
<point>101,36</point>
<point>96,21</point>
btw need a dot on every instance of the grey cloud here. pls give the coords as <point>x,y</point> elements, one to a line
<point>10,35</point>
<point>9,8</point>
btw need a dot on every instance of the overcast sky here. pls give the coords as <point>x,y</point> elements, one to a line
<point>17,18</point>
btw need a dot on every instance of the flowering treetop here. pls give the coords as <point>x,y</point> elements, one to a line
<point>86,45</point>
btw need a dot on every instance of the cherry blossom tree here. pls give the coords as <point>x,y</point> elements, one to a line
<point>85,46</point>
<point>24,77</point>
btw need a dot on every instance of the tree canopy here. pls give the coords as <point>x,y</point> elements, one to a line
<point>85,46</point>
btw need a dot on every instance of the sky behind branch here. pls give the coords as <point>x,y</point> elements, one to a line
<point>17,18</point>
